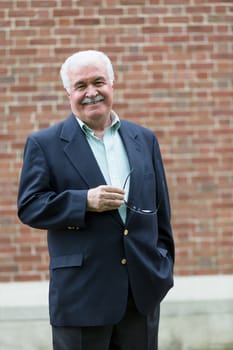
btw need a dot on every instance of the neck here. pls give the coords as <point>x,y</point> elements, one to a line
<point>99,127</point>
<point>99,134</point>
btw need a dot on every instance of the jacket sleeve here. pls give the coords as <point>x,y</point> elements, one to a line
<point>39,204</point>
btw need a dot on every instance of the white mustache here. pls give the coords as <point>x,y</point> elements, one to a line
<point>94,100</point>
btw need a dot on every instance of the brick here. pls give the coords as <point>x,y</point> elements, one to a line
<point>43,4</point>
<point>21,13</point>
<point>41,22</point>
<point>6,5</point>
<point>63,12</point>
<point>87,21</point>
<point>131,20</point>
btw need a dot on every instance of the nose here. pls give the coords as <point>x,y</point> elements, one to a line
<point>91,91</point>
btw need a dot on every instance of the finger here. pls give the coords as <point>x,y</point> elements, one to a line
<point>112,189</point>
<point>114,197</point>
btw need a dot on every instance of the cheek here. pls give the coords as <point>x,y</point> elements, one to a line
<point>109,96</point>
<point>75,99</point>
<point>110,100</point>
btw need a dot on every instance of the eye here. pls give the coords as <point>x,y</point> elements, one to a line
<point>80,86</point>
<point>99,83</point>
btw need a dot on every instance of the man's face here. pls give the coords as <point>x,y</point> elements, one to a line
<point>91,93</point>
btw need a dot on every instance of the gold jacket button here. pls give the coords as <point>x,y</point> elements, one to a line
<point>123,261</point>
<point>126,232</point>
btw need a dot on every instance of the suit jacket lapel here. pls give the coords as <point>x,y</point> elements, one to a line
<point>80,154</point>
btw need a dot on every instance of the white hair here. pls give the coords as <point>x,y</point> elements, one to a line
<point>83,58</point>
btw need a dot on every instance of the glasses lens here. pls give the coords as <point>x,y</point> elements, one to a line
<point>140,211</point>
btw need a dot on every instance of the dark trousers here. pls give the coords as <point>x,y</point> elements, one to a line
<point>133,332</point>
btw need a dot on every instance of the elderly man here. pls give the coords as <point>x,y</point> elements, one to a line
<point>97,185</point>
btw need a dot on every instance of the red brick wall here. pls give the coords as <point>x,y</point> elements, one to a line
<point>174,63</point>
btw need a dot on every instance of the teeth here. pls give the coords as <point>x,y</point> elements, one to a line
<point>98,98</point>
<point>88,101</point>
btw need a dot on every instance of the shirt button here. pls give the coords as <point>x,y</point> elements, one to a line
<point>126,232</point>
<point>123,261</point>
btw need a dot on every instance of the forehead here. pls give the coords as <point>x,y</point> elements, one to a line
<point>87,71</point>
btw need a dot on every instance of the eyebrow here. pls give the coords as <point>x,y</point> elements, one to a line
<point>82,81</point>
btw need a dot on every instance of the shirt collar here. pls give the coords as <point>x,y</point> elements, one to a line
<point>114,125</point>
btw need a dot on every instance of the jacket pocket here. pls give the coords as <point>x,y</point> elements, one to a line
<point>59,262</point>
<point>162,252</point>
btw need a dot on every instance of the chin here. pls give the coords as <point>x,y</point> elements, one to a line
<point>98,112</point>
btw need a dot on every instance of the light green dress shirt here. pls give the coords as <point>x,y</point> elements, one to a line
<point>110,155</point>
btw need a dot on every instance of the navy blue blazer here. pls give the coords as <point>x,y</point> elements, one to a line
<point>88,278</point>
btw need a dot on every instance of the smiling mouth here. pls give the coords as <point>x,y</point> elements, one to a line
<point>92,101</point>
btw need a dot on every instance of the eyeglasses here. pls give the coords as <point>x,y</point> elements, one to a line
<point>133,207</point>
